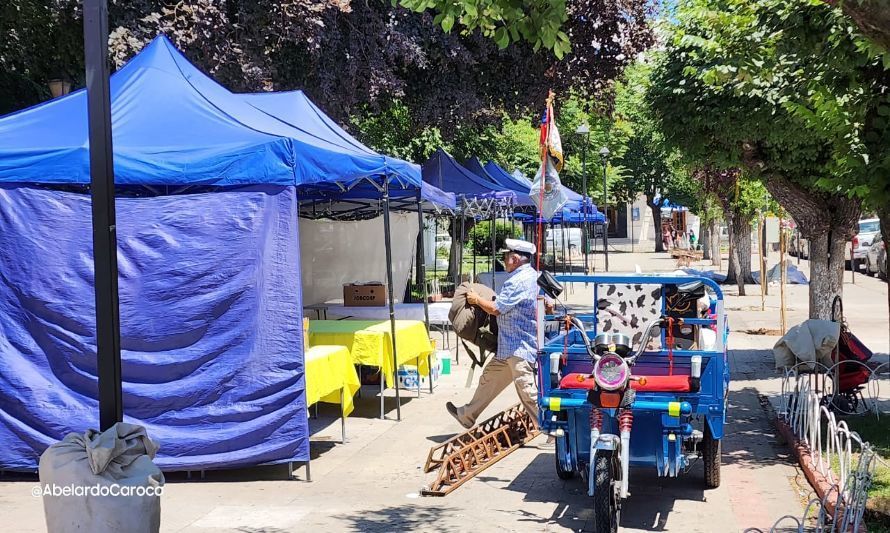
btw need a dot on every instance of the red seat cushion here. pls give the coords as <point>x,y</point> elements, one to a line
<point>577,381</point>
<point>653,383</point>
<point>663,384</point>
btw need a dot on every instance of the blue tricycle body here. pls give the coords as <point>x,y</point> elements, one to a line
<point>676,417</point>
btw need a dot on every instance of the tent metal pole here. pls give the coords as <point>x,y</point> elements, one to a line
<point>422,266</point>
<point>458,231</point>
<point>108,341</point>
<point>474,258</point>
<point>392,307</point>
<point>493,245</point>
<point>562,230</point>
<point>436,248</point>
<point>553,243</point>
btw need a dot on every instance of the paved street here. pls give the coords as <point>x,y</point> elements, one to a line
<point>372,482</point>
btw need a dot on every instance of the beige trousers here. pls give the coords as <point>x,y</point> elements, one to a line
<point>496,375</point>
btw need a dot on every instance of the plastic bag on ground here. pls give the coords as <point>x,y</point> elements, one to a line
<point>102,482</point>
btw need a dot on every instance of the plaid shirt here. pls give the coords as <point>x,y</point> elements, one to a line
<point>516,321</point>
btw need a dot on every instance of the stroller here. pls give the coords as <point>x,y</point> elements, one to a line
<point>851,370</point>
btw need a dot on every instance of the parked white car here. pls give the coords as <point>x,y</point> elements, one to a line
<point>867,228</point>
<point>876,258</point>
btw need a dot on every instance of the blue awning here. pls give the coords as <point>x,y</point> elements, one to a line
<point>522,184</point>
<point>296,110</point>
<point>173,125</point>
<point>443,172</point>
<point>522,198</point>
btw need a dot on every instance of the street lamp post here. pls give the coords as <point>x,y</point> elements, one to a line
<point>604,155</point>
<point>584,129</point>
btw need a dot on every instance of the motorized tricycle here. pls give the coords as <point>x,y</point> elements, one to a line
<point>656,398</point>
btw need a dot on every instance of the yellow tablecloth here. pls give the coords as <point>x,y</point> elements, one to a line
<point>370,343</point>
<point>329,369</point>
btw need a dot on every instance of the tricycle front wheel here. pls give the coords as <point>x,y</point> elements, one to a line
<point>711,452</point>
<point>606,507</point>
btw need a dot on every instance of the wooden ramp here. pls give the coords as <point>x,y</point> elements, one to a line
<point>465,455</point>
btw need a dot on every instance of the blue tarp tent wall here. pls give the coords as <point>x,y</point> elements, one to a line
<point>209,282</point>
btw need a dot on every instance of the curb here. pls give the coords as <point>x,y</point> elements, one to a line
<point>818,481</point>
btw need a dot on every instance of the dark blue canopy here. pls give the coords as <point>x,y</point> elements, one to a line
<point>442,171</point>
<point>296,110</point>
<point>522,198</point>
<point>566,217</point>
<point>173,125</point>
<point>522,184</point>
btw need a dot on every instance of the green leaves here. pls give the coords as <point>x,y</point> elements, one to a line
<point>537,22</point>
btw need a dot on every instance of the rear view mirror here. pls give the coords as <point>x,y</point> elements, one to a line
<point>549,285</point>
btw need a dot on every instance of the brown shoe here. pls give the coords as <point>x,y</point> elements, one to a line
<point>452,410</point>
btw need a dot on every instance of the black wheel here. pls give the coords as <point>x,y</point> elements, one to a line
<point>560,451</point>
<point>606,507</point>
<point>711,451</point>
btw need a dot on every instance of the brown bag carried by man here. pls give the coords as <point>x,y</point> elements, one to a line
<point>471,323</point>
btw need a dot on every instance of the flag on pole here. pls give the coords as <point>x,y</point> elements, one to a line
<point>547,192</point>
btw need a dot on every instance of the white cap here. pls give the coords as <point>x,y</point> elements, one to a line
<point>519,246</point>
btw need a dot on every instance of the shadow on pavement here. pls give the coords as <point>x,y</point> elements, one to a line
<point>401,518</point>
<point>750,439</point>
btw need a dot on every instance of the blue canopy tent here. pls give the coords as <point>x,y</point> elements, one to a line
<point>522,198</point>
<point>298,111</point>
<point>522,184</point>
<point>479,197</point>
<point>212,361</point>
<point>357,201</point>
<point>444,172</point>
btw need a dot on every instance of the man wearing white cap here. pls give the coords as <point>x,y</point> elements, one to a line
<point>514,361</point>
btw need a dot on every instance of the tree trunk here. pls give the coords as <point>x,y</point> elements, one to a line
<point>739,251</point>
<point>884,215</point>
<point>418,259</point>
<point>818,215</point>
<point>704,238</point>
<point>826,272</point>
<point>656,221</point>
<point>714,230</point>
<point>455,255</point>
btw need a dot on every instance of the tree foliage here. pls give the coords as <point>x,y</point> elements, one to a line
<point>350,57</point>
<point>561,26</point>
<point>782,89</point>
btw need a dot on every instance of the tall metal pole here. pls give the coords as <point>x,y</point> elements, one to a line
<point>606,211</point>
<point>108,341</point>
<point>493,245</point>
<point>387,240</point>
<point>585,245</point>
<point>422,265</point>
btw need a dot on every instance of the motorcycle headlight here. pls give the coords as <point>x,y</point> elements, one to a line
<point>611,372</point>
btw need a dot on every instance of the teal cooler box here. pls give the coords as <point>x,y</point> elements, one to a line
<point>408,376</point>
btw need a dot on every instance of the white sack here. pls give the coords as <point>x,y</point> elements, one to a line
<point>813,340</point>
<point>115,461</point>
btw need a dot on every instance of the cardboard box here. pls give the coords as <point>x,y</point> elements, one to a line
<point>407,376</point>
<point>364,295</point>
